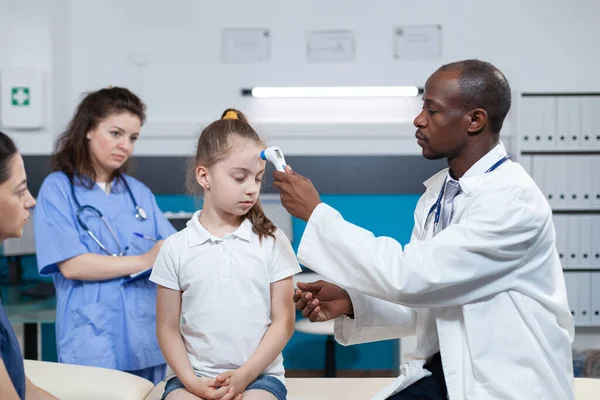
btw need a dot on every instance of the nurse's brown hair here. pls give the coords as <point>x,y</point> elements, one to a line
<point>71,152</point>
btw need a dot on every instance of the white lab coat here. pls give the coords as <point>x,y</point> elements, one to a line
<point>488,291</point>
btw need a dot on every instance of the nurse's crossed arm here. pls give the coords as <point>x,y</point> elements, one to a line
<point>60,244</point>
<point>99,267</point>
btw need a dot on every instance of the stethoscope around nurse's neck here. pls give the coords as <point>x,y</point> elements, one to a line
<point>436,208</point>
<point>140,215</point>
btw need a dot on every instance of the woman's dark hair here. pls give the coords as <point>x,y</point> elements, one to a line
<point>7,152</point>
<point>214,144</point>
<point>71,152</point>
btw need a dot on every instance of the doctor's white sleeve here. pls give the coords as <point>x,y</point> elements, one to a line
<point>374,320</point>
<point>471,259</point>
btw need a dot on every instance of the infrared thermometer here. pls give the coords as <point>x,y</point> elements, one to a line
<point>275,155</point>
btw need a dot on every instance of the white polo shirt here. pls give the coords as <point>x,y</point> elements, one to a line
<point>226,297</point>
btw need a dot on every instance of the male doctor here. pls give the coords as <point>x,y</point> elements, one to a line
<point>480,282</point>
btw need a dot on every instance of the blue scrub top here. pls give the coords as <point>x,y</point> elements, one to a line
<point>112,323</point>
<point>10,351</point>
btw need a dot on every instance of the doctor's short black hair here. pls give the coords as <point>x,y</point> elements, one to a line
<point>482,85</point>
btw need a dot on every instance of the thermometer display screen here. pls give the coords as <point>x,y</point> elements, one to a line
<point>278,153</point>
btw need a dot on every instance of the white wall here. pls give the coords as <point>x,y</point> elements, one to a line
<point>25,29</point>
<point>541,45</point>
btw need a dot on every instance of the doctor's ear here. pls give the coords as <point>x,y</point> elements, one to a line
<point>477,120</point>
<point>202,177</point>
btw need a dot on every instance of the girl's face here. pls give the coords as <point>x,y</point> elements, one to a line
<point>112,142</point>
<point>233,184</point>
<point>15,200</point>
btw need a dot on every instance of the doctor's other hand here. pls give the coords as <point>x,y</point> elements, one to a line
<point>321,301</point>
<point>149,257</point>
<point>298,195</point>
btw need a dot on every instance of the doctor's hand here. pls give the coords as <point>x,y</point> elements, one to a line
<point>298,195</point>
<point>321,301</point>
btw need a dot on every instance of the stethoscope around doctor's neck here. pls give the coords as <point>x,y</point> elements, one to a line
<point>436,208</point>
<point>140,215</point>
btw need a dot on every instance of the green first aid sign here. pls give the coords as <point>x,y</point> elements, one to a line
<point>20,96</point>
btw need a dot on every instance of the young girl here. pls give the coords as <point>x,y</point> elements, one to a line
<point>224,302</point>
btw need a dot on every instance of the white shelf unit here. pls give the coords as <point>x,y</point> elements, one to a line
<point>559,145</point>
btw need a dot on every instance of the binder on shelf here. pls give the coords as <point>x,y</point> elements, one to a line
<point>538,126</point>
<point>558,169</point>
<point>573,197</point>
<point>568,120</point>
<point>572,192</point>
<point>585,241</point>
<point>526,162</point>
<point>585,180</point>
<point>539,174</point>
<point>550,180</point>
<point>595,241</point>
<point>590,122</point>
<point>547,135</point>
<point>530,123</point>
<point>573,259</point>
<point>560,227</point>
<point>595,308</point>
<point>572,293</point>
<point>595,177</point>
<point>584,288</point>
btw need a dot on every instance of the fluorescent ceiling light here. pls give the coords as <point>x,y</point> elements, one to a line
<point>350,91</point>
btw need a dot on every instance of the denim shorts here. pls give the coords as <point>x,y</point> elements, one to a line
<point>264,382</point>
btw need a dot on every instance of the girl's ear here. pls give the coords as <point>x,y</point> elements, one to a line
<point>202,177</point>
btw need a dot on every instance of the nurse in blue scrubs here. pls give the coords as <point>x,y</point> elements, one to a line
<point>15,203</point>
<point>96,227</point>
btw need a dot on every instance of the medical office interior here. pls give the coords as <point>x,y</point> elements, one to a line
<point>188,60</point>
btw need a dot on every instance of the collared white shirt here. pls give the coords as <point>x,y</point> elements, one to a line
<point>479,168</point>
<point>491,283</point>
<point>226,298</point>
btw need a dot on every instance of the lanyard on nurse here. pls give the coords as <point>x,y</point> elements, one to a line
<point>436,208</point>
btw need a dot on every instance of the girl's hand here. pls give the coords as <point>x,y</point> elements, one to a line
<point>238,382</point>
<point>208,388</point>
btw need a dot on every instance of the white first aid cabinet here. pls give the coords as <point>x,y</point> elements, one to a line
<point>23,98</point>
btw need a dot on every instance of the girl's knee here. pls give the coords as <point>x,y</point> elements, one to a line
<point>182,394</point>
<point>258,394</point>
